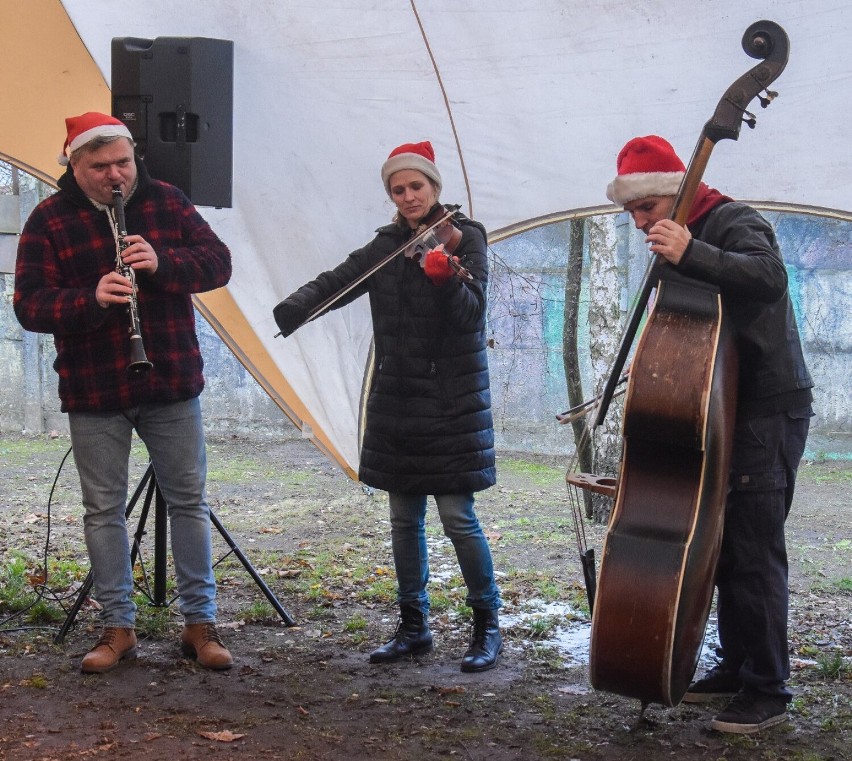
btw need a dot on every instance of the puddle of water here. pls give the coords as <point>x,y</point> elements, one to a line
<point>572,638</point>
<point>572,634</point>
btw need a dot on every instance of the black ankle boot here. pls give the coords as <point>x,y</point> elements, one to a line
<point>486,643</point>
<point>412,637</point>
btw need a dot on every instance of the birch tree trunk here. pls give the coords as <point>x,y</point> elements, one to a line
<point>607,279</point>
<point>571,354</point>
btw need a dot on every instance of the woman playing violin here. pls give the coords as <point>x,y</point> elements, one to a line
<point>429,429</point>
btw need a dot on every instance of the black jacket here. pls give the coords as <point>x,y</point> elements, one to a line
<point>428,426</point>
<point>734,248</point>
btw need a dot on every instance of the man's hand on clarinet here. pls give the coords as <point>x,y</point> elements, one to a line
<point>140,255</point>
<point>113,288</point>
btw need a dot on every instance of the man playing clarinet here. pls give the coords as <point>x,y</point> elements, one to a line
<point>71,280</point>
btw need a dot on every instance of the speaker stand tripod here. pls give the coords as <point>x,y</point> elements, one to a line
<point>156,592</point>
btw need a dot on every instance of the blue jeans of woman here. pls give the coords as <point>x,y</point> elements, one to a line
<point>174,437</point>
<point>751,578</point>
<point>410,554</point>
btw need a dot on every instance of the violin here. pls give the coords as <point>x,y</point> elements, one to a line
<point>444,237</point>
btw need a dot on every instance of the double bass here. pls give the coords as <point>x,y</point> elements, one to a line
<point>655,586</point>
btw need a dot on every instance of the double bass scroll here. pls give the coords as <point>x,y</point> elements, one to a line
<point>765,40</point>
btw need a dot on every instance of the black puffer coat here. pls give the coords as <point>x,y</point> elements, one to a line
<point>428,428</point>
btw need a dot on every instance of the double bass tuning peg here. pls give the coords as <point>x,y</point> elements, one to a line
<point>765,100</point>
<point>750,119</point>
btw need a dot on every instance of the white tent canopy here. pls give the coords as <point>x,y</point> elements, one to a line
<point>527,104</point>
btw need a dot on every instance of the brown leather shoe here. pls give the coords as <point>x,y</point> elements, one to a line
<point>202,642</point>
<point>114,645</point>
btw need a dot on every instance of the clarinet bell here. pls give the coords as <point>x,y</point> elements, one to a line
<point>139,364</point>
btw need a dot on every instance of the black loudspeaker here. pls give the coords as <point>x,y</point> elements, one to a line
<point>176,96</point>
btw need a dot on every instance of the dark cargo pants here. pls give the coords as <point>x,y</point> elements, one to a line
<point>751,579</point>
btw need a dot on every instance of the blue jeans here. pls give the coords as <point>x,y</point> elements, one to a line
<point>751,578</point>
<point>174,437</point>
<point>410,555</point>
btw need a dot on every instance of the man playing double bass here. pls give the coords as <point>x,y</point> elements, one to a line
<point>732,247</point>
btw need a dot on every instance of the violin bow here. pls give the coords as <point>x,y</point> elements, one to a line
<point>324,306</point>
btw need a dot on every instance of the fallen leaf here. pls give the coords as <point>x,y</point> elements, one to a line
<point>225,736</point>
<point>574,689</point>
<point>36,579</point>
<point>457,690</point>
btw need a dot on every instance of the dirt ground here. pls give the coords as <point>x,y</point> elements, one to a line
<point>320,543</point>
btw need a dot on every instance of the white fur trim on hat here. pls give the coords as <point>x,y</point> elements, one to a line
<point>629,187</point>
<point>102,130</point>
<point>409,161</point>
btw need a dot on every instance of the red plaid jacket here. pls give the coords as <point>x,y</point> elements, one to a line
<point>67,245</point>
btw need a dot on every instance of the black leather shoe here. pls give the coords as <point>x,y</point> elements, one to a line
<point>719,682</point>
<point>412,637</point>
<point>486,643</point>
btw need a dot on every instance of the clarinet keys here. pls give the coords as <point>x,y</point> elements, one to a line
<point>139,364</point>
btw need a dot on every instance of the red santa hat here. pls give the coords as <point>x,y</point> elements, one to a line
<point>647,166</point>
<point>81,129</point>
<point>419,156</point>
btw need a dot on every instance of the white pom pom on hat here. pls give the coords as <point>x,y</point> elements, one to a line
<point>81,129</point>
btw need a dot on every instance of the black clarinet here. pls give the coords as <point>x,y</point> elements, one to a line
<point>139,364</point>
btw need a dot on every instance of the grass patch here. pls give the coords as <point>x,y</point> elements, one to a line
<point>830,665</point>
<point>26,590</point>
<point>257,613</point>
<point>536,628</point>
<point>355,624</point>
<point>14,583</point>
<point>152,621</point>
<point>826,473</point>
<point>538,473</point>
<point>17,451</point>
